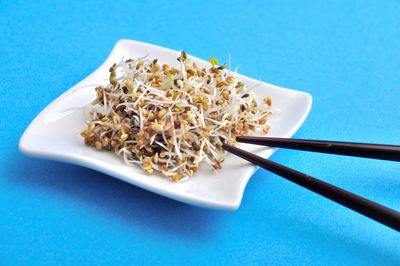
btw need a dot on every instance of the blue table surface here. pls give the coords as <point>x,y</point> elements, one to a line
<point>345,53</point>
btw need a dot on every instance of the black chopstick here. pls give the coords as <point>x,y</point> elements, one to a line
<point>382,214</point>
<point>365,150</point>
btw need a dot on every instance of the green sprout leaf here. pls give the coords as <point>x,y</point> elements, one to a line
<point>214,62</point>
<point>132,91</point>
<point>223,66</point>
<point>95,101</point>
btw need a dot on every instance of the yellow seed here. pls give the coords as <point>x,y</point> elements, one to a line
<point>174,71</point>
<point>220,159</point>
<point>139,65</point>
<point>176,177</point>
<point>206,106</point>
<point>161,113</point>
<point>154,68</point>
<point>266,129</point>
<point>268,101</point>
<point>220,102</point>
<point>155,158</point>
<point>140,134</point>
<point>216,165</point>
<point>184,122</point>
<point>113,79</point>
<point>146,135</point>
<point>185,136</point>
<point>165,68</point>
<point>85,133</point>
<point>116,148</point>
<point>105,142</point>
<point>151,116</point>
<point>230,79</point>
<point>98,145</point>
<point>221,84</point>
<point>156,84</point>
<point>91,126</point>
<point>147,166</point>
<point>157,127</point>
<point>197,99</point>
<point>146,162</point>
<point>129,84</point>
<point>115,120</point>
<point>142,102</point>
<point>150,170</point>
<point>188,115</point>
<point>170,94</point>
<point>124,137</point>
<point>262,121</point>
<point>205,129</point>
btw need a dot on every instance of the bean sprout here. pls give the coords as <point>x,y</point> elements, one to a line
<point>170,120</point>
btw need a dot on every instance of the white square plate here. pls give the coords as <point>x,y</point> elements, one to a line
<point>54,134</point>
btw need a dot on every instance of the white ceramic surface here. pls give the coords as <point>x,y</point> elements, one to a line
<point>54,134</point>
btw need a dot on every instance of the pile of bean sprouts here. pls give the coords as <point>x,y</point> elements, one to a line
<point>171,119</point>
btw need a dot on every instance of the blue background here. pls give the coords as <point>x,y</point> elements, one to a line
<point>345,53</point>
